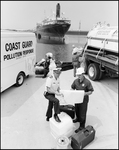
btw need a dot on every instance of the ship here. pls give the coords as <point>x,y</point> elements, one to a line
<point>53,28</point>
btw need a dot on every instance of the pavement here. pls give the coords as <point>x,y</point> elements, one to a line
<point>23,109</point>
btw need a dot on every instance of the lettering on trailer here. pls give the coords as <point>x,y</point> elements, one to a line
<point>27,51</point>
<point>16,46</point>
<point>13,55</point>
<point>103,32</point>
<point>27,44</point>
<point>12,46</point>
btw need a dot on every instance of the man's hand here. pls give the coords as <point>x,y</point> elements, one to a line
<point>61,94</point>
<point>87,93</point>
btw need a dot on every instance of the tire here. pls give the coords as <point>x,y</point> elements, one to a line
<point>93,71</point>
<point>20,79</point>
<point>39,36</point>
<point>85,63</point>
<point>101,74</point>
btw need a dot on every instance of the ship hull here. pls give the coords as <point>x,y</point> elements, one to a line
<point>51,40</point>
<point>52,33</point>
<point>56,30</point>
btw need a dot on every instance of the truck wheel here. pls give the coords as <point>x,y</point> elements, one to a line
<point>93,71</point>
<point>20,79</point>
<point>84,64</point>
<point>101,74</point>
<point>86,67</point>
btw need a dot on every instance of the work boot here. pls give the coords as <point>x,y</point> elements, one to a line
<point>57,118</point>
<point>47,119</point>
<point>75,120</point>
<point>79,129</point>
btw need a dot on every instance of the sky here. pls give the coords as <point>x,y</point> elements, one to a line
<point>26,14</point>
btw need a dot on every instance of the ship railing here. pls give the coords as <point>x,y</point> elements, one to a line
<point>68,21</point>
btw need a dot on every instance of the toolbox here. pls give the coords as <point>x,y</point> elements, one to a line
<point>82,138</point>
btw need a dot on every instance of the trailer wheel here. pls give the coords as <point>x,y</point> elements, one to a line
<point>20,79</point>
<point>93,71</point>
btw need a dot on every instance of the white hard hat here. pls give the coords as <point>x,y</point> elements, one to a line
<point>42,59</point>
<point>73,46</point>
<point>49,54</point>
<point>80,71</point>
<point>76,50</point>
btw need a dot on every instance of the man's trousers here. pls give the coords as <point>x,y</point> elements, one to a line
<point>53,101</point>
<point>81,110</point>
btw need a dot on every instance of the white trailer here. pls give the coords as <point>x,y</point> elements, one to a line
<point>18,57</point>
<point>100,55</point>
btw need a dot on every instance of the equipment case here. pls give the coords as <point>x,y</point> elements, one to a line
<point>82,138</point>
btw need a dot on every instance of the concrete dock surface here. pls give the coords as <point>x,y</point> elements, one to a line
<point>23,109</point>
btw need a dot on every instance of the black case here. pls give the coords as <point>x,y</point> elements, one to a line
<point>69,109</point>
<point>39,72</point>
<point>82,138</point>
